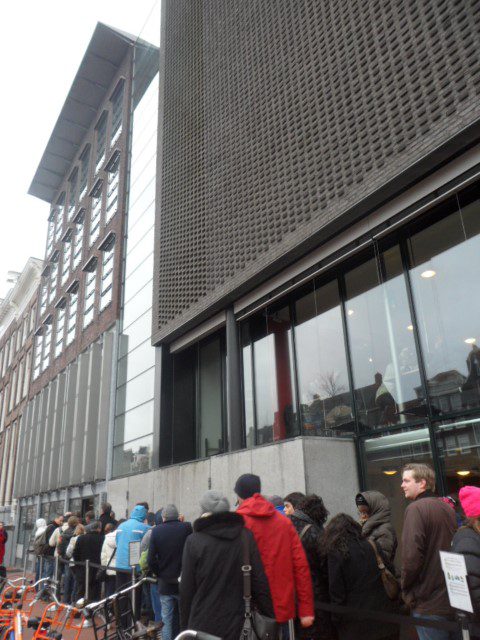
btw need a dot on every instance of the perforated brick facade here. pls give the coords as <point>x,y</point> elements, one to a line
<point>285,120</point>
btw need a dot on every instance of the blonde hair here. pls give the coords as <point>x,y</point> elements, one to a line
<point>80,529</point>
<point>422,471</point>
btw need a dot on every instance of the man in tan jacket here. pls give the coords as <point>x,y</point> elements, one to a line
<point>429,526</point>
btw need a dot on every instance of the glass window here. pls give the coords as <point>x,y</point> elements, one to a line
<point>60,328</point>
<point>89,300</point>
<point>184,405</point>
<point>101,141</point>
<point>138,305</point>
<point>136,361</point>
<point>384,361</point>
<point>26,380</point>
<point>210,431</point>
<point>325,398</point>
<point>445,262</point>
<point>270,334</point>
<point>137,279</point>
<point>52,292</point>
<point>106,286</point>
<point>113,176</point>
<point>135,423</point>
<point>47,343</point>
<point>78,238</point>
<point>248,400</point>
<point>51,230</point>
<point>96,213</point>
<point>60,210</point>
<point>117,113</point>
<point>37,362</point>
<point>385,457</point>
<point>72,194</point>
<point>136,391</point>
<point>84,165</point>
<point>458,443</point>
<point>133,457</point>
<point>72,313</point>
<point>67,256</point>
<point>136,333</point>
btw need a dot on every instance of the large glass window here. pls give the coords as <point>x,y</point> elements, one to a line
<point>323,385</point>
<point>113,177</point>
<point>72,312</point>
<point>101,141</point>
<point>96,212</point>
<point>60,207</point>
<point>47,343</point>
<point>385,367</point>
<point>458,443</point>
<point>106,286</point>
<point>50,231</point>
<point>72,193</point>
<point>52,292</point>
<point>37,362</point>
<point>269,335</point>
<point>211,420</point>
<point>84,166</point>
<point>117,113</point>
<point>67,256</point>
<point>77,240</point>
<point>445,263</point>
<point>89,299</point>
<point>60,327</point>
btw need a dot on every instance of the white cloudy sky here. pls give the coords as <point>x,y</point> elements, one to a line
<point>42,45</point>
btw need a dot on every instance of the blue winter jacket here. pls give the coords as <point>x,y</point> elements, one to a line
<point>131,530</point>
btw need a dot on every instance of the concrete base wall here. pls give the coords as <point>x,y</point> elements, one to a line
<point>326,466</point>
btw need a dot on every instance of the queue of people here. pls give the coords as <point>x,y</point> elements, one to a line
<point>299,560</point>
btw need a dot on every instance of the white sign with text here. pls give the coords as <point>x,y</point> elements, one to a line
<point>455,570</point>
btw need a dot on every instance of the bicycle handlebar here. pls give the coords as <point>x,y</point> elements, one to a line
<point>95,605</point>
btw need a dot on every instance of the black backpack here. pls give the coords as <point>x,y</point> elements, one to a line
<point>64,540</point>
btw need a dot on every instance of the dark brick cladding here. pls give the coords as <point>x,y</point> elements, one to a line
<point>285,120</point>
<point>106,318</point>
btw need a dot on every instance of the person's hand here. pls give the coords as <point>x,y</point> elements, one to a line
<point>307,621</point>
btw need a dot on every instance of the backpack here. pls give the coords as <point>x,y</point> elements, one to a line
<point>40,544</point>
<point>63,542</point>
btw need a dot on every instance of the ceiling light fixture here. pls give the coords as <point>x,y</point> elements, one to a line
<point>429,273</point>
<point>389,472</point>
<point>350,312</point>
<point>470,340</point>
<point>463,473</point>
<point>410,327</point>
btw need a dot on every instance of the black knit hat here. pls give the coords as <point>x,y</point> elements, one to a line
<point>360,500</point>
<point>247,485</point>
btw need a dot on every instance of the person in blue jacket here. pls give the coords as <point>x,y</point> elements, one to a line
<point>132,530</point>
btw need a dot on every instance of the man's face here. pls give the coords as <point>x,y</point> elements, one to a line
<point>363,512</point>
<point>289,508</point>
<point>59,520</point>
<point>410,487</point>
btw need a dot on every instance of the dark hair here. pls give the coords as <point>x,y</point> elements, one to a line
<point>121,521</point>
<point>294,498</point>
<point>90,515</point>
<point>143,504</point>
<point>109,527</point>
<point>106,507</point>
<point>338,532</point>
<point>151,518</point>
<point>313,507</point>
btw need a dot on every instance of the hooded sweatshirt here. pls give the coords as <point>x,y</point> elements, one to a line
<point>283,558</point>
<point>378,527</point>
<point>40,526</point>
<point>131,530</point>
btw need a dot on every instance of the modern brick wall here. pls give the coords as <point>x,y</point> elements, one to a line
<point>283,121</point>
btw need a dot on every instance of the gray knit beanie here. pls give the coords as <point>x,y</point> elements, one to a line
<point>214,502</point>
<point>170,513</point>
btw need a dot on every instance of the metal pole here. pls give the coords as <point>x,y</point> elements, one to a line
<point>40,569</point>
<point>291,629</point>
<point>55,580</point>
<point>87,579</point>
<point>134,608</point>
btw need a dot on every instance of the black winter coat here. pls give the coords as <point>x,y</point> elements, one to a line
<point>323,628</point>
<point>467,542</point>
<point>89,547</point>
<point>211,587</point>
<point>165,552</point>
<point>355,581</point>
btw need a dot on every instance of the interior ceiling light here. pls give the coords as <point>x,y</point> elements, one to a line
<point>429,273</point>
<point>471,340</point>
<point>463,473</point>
<point>390,472</point>
<point>350,312</point>
<point>410,327</point>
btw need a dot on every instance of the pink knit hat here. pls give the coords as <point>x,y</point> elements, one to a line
<point>470,501</point>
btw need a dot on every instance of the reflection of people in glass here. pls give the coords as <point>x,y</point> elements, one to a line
<point>471,386</point>
<point>384,401</point>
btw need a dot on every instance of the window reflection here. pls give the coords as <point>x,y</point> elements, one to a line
<point>325,400</point>
<point>133,457</point>
<point>270,335</point>
<point>384,360</point>
<point>458,444</point>
<point>445,259</point>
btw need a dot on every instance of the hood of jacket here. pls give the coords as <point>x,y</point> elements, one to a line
<point>303,518</point>
<point>40,522</point>
<point>256,507</point>
<point>380,512</point>
<point>138,513</point>
<point>225,525</point>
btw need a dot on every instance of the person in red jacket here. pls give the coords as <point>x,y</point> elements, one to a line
<point>3,542</point>
<point>281,551</point>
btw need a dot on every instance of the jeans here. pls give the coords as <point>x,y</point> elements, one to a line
<point>69,586</point>
<point>156,605</point>
<point>48,567</point>
<point>170,617</point>
<point>429,633</point>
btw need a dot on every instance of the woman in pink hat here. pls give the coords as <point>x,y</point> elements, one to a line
<point>467,542</point>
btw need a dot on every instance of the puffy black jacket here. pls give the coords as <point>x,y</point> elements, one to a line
<point>89,547</point>
<point>467,542</point>
<point>323,628</point>
<point>379,527</point>
<point>211,588</point>
<point>165,552</point>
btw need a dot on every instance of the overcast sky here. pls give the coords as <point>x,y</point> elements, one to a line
<point>41,48</point>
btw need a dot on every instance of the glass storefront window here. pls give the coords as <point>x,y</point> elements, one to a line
<point>445,263</point>
<point>323,387</point>
<point>386,375</point>
<point>458,443</point>
<point>210,431</point>
<point>385,456</point>
<point>270,335</point>
<point>133,457</point>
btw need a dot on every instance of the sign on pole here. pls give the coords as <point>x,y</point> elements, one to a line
<point>134,553</point>
<point>455,570</point>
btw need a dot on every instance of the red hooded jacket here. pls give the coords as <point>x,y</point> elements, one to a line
<point>3,542</point>
<point>283,558</point>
